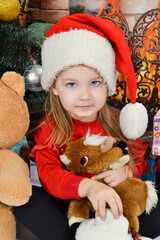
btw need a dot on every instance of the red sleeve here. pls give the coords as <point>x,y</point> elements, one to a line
<point>55,180</point>
<point>138,150</point>
<point>139,169</point>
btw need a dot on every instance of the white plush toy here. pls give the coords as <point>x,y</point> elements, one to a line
<point>110,229</point>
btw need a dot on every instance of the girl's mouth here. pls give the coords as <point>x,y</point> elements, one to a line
<point>85,106</point>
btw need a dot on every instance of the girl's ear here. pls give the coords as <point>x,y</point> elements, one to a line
<point>54,91</point>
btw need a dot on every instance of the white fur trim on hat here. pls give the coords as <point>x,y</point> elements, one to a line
<point>75,47</point>
<point>133,120</point>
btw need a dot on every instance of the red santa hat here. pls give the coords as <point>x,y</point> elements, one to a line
<point>97,43</point>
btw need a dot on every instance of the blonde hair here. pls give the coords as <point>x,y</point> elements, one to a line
<point>63,125</point>
<point>62,131</point>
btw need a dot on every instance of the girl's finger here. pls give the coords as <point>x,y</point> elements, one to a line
<point>114,208</point>
<point>109,179</point>
<point>99,176</point>
<point>102,175</point>
<point>102,209</point>
<point>95,205</point>
<point>112,184</point>
<point>119,204</point>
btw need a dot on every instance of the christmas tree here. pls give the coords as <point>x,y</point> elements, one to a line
<point>19,49</point>
<point>16,44</point>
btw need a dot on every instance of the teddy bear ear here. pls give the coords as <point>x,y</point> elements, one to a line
<point>14,81</point>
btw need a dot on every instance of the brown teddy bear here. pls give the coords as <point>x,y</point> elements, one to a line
<point>15,185</point>
<point>92,154</point>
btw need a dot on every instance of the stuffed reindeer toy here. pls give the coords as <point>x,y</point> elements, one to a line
<point>93,153</point>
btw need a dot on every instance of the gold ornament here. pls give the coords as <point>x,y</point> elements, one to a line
<point>9,10</point>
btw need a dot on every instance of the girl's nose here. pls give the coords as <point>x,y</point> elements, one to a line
<point>85,94</point>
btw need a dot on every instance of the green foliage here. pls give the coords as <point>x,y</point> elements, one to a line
<point>14,42</point>
<point>39,30</point>
<point>14,56</point>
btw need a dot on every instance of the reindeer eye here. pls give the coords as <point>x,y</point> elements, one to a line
<point>84,160</point>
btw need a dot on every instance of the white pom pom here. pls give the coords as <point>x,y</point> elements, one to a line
<point>96,229</point>
<point>133,120</point>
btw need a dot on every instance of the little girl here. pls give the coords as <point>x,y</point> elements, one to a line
<point>81,57</point>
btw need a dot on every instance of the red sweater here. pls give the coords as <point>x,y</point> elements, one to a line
<point>55,180</point>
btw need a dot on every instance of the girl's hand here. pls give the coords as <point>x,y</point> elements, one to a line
<point>116,176</point>
<point>99,194</point>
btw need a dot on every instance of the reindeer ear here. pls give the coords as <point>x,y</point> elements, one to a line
<point>106,146</point>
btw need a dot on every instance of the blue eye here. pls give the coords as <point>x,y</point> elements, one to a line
<point>71,84</point>
<point>95,83</point>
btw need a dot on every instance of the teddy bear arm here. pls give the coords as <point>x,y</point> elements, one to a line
<point>7,223</point>
<point>15,185</point>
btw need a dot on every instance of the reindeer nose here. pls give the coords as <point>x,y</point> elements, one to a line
<point>125,152</point>
<point>122,144</point>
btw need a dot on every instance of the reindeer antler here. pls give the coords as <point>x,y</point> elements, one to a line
<point>106,146</point>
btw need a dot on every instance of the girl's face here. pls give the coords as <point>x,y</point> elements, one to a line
<point>82,92</point>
